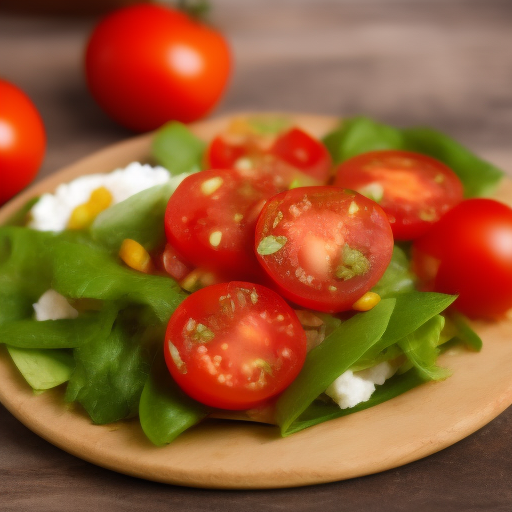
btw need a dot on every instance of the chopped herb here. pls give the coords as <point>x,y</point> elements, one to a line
<point>271,244</point>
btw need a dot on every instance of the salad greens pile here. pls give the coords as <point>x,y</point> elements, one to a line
<point>110,358</point>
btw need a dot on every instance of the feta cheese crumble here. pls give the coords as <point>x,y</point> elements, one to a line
<point>53,306</point>
<point>52,211</point>
<point>352,388</point>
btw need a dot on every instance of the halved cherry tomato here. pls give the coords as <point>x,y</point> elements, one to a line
<point>292,157</point>
<point>300,150</point>
<point>324,247</point>
<point>210,220</point>
<point>234,345</point>
<point>415,190</point>
<point>469,253</point>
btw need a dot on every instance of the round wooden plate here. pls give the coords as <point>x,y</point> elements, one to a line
<point>242,455</point>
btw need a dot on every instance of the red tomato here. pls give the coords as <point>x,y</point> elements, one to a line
<point>290,157</point>
<point>234,345</point>
<point>210,220</point>
<point>148,64</point>
<point>469,253</point>
<point>22,140</point>
<point>323,246</point>
<point>303,152</point>
<point>414,190</point>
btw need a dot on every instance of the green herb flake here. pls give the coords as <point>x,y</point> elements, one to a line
<point>271,244</point>
<point>354,263</point>
<point>202,334</point>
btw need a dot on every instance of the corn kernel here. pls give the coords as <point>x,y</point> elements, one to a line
<point>135,256</point>
<point>84,214</point>
<point>368,301</point>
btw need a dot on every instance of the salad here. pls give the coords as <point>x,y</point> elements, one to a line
<point>159,288</point>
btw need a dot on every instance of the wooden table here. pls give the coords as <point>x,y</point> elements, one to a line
<point>431,62</point>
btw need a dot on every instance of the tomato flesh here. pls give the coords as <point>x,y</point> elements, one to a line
<point>234,345</point>
<point>323,247</point>
<point>469,253</point>
<point>210,221</point>
<point>415,190</point>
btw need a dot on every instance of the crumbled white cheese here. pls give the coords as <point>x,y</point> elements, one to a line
<point>52,211</point>
<point>352,388</point>
<point>53,306</point>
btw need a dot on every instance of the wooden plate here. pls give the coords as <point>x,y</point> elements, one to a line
<point>231,454</point>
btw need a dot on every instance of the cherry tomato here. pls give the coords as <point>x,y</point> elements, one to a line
<point>415,190</point>
<point>469,253</point>
<point>210,220</point>
<point>234,345</point>
<point>147,64</point>
<point>22,140</point>
<point>324,247</point>
<point>291,157</point>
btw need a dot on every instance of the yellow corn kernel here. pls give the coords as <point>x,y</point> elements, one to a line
<point>84,214</point>
<point>135,256</point>
<point>368,301</point>
<point>101,199</point>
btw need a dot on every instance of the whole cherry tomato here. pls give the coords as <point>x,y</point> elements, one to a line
<point>147,64</point>
<point>22,140</point>
<point>469,253</point>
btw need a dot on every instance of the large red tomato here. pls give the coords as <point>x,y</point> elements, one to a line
<point>22,140</point>
<point>148,64</point>
<point>469,253</point>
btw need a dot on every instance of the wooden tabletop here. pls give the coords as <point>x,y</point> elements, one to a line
<point>446,64</point>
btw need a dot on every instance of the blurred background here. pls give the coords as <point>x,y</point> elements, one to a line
<point>443,63</point>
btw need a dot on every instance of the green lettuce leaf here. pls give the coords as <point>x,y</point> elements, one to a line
<point>111,370</point>
<point>361,134</point>
<point>397,278</point>
<point>177,149</point>
<point>421,349</point>
<point>165,411</point>
<point>336,354</point>
<point>43,369</point>
<point>139,217</point>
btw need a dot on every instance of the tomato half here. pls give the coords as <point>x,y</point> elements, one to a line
<point>415,190</point>
<point>234,345</point>
<point>469,253</point>
<point>324,247</point>
<point>291,158</point>
<point>22,140</point>
<point>210,221</point>
<point>147,64</point>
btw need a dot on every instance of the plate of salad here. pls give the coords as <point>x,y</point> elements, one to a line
<point>296,299</point>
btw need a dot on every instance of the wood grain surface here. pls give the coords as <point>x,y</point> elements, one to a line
<point>447,64</point>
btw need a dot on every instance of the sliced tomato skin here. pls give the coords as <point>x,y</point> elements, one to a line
<point>415,189</point>
<point>469,253</point>
<point>314,226</point>
<point>222,155</point>
<point>291,158</point>
<point>234,345</point>
<point>302,151</point>
<point>210,221</point>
